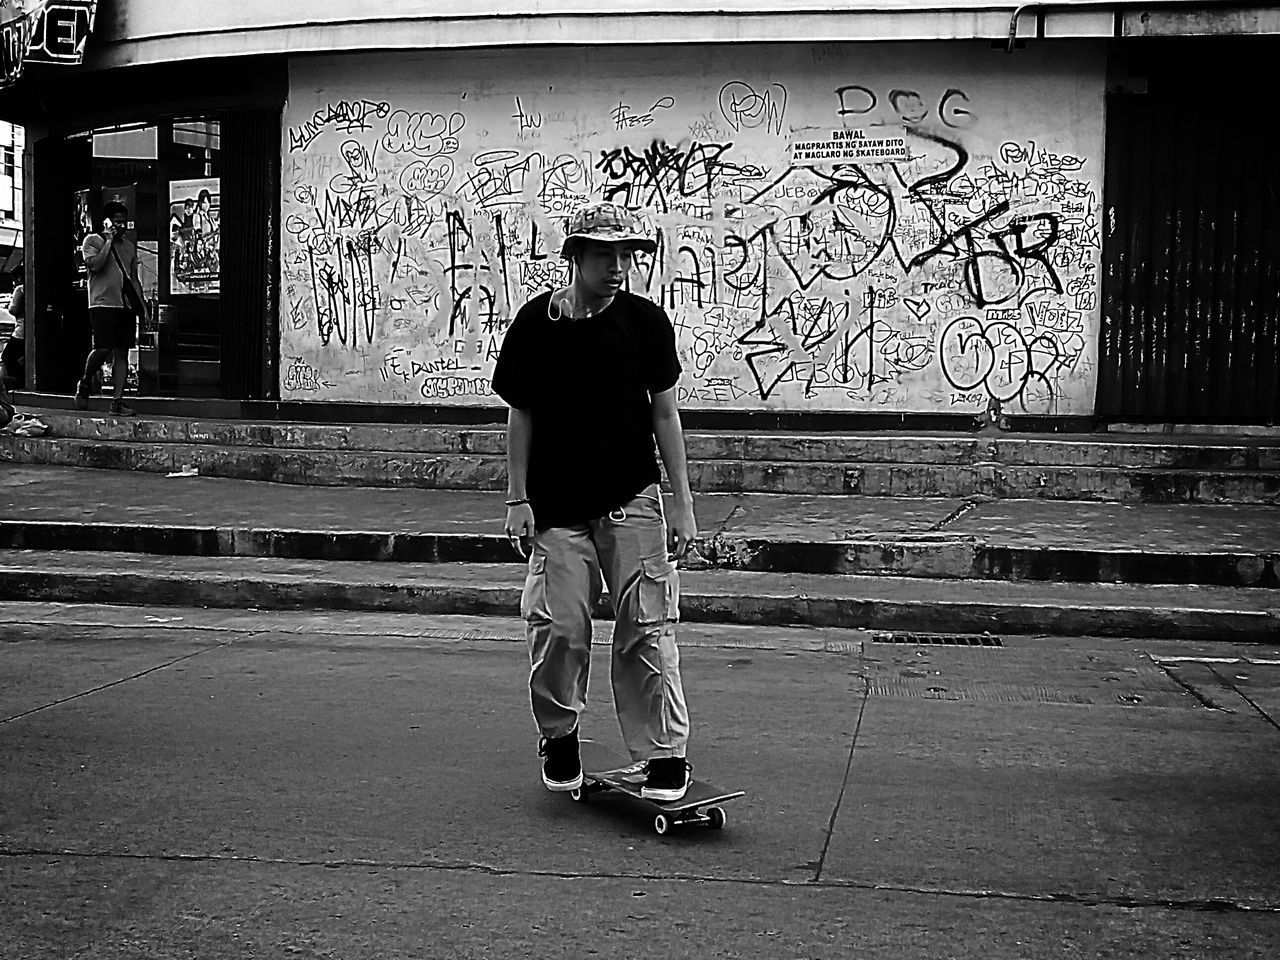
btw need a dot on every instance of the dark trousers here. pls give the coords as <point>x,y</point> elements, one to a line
<point>13,362</point>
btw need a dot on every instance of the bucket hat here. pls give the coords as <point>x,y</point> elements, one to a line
<point>608,223</point>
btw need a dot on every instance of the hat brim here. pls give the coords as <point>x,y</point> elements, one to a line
<point>647,244</point>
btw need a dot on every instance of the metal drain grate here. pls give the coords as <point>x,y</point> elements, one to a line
<point>939,639</point>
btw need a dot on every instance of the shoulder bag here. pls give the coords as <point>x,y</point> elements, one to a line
<point>132,298</point>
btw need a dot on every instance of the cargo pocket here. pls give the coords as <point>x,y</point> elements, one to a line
<point>659,592</point>
<point>533,599</point>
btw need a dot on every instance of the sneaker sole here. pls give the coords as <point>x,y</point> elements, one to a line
<point>666,796</point>
<point>558,787</point>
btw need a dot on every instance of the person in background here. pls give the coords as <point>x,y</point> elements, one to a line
<point>181,224</point>
<point>112,261</point>
<point>202,219</point>
<point>7,412</point>
<point>13,357</point>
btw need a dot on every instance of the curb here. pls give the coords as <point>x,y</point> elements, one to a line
<point>922,613</point>
<point>925,556</point>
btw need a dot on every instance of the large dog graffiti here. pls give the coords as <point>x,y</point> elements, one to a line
<point>907,240</point>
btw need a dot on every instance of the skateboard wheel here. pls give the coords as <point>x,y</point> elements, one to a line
<point>580,794</point>
<point>662,824</point>
<point>716,818</point>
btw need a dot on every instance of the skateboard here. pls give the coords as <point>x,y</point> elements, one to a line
<point>602,771</point>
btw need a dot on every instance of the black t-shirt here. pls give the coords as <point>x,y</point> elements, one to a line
<point>587,384</point>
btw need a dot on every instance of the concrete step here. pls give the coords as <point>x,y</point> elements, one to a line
<point>1105,450</point>
<point>763,599</point>
<point>934,556</point>
<point>469,472</point>
<point>1101,468</point>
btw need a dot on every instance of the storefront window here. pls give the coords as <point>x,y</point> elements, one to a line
<point>124,167</point>
<point>168,175</point>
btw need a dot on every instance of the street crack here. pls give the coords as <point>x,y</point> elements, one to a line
<point>732,515</point>
<point>844,783</point>
<point>1200,905</point>
<point>1243,696</point>
<point>955,514</point>
<point>113,683</point>
<point>1189,687</point>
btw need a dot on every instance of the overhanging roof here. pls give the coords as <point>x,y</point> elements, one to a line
<point>157,31</point>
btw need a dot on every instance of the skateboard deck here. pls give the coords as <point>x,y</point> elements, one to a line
<point>603,770</point>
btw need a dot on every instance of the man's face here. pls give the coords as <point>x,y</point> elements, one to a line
<point>603,267</point>
<point>119,222</point>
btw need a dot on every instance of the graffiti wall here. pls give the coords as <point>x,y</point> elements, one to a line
<point>865,228</point>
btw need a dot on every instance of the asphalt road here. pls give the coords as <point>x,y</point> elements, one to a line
<point>212,784</point>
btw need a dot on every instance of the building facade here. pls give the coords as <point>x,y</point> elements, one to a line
<point>878,212</point>
<point>12,146</point>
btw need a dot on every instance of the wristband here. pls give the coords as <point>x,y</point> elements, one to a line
<point>517,503</point>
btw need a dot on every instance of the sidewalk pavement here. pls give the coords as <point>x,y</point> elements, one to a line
<point>1004,539</point>
<point>962,566</point>
<point>187,783</point>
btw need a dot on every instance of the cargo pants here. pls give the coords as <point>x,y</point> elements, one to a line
<point>628,549</point>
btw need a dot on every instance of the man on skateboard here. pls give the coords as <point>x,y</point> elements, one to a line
<point>589,372</point>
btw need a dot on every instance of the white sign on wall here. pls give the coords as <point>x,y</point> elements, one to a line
<point>849,146</point>
<point>856,227</point>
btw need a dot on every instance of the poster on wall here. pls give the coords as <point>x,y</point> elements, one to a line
<point>82,226</point>
<point>878,228</point>
<point>193,236</point>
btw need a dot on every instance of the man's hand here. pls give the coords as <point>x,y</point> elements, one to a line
<point>682,530</point>
<point>520,528</point>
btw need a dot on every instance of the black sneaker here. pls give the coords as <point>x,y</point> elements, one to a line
<point>121,410</point>
<point>666,778</point>
<point>561,765</point>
